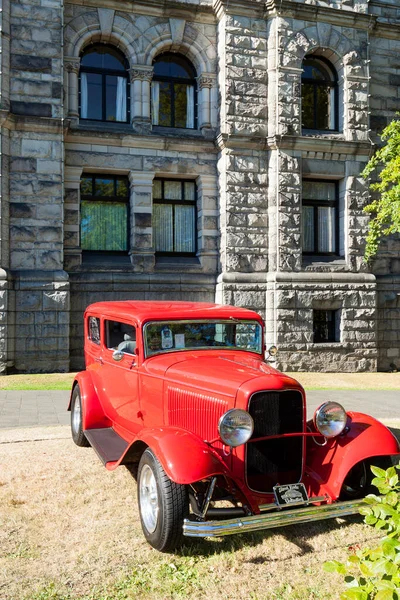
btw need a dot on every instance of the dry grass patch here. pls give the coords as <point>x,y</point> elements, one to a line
<point>70,530</point>
<point>348,381</point>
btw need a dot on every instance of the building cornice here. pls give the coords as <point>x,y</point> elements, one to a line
<point>156,8</point>
<point>247,8</point>
<point>288,142</point>
<point>309,12</point>
<point>76,140</point>
<point>14,122</point>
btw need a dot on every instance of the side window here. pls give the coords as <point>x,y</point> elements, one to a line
<point>326,326</point>
<point>94,330</point>
<point>120,336</point>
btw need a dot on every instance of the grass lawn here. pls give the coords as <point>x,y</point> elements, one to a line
<point>70,531</point>
<point>310,381</point>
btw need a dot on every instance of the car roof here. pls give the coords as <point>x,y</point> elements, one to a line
<point>142,311</point>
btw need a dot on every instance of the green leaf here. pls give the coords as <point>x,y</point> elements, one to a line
<point>354,594</point>
<point>394,480</point>
<point>334,566</point>
<point>385,595</point>
<point>378,472</point>
<point>392,498</point>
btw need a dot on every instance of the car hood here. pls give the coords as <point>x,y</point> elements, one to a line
<point>225,372</point>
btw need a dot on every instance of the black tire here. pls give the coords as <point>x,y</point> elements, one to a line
<point>357,483</point>
<point>76,419</point>
<point>161,518</point>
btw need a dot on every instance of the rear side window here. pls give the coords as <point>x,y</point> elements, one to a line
<point>121,336</point>
<point>94,330</point>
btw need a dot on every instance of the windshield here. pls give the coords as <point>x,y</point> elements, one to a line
<point>172,336</point>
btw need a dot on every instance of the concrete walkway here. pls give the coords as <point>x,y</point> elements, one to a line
<point>35,408</point>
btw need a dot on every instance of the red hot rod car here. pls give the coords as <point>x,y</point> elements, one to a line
<point>218,440</point>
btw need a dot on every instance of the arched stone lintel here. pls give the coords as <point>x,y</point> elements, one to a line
<point>93,34</point>
<point>191,49</point>
<point>319,37</point>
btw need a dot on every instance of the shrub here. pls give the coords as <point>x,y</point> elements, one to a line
<point>374,574</point>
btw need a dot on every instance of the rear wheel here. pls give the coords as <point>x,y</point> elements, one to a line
<point>357,483</point>
<point>76,419</point>
<point>163,504</point>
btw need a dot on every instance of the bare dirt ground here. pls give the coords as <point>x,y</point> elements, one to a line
<point>70,530</point>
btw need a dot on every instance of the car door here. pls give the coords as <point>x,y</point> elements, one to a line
<point>119,373</point>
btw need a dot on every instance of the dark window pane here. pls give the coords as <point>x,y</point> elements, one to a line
<point>86,186</point>
<point>184,229</point>
<point>319,190</point>
<point>317,70</point>
<point>163,228</point>
<point>104,187</point>
<point>157,189</point>
<point>103,58</point>
<point>173,190</point>
<point>326,229</point>
<point>322,109</point>
<point>111,97</point>
<point>122,188</point>
<point>164,115</point>
<point>170,65</point>
<point>308,229</point>
<point>94,96</point>
<point>307,105</point>
<point>104,226</point>
<point>324,325</point>
<point>190,190</point>
<point>180,104</point>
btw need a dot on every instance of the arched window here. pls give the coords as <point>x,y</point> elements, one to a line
<point>319,95</point>
<point>103,89</point>
<point>173,92</point>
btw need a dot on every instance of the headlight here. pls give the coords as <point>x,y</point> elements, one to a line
<point>330,419</point>
<point>235,427</point>
<point>272,350</point>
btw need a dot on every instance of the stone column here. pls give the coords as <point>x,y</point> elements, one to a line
<point>141,76</point>
<point>141,238</point>
<point>208,222</point>
<point>204,102</point>
<point>72,249</point>
<point>72,66</point>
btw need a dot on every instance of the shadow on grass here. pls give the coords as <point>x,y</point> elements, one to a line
<point>296,534</point>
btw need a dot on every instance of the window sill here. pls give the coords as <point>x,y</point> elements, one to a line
<point>324,263</point>
<point>176,132</point>
<point>105,260</point>
<point>110,127</point>
<point>177,262</point>
<point>335,135</point>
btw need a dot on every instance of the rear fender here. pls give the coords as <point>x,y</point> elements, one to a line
<point>327,466</point>
<point>184,457</point>
<point>93,416</point>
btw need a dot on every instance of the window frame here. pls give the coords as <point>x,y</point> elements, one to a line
<point>317,204</point>
<point>316,84</point>
<point>181,202</point>
<point>332,326</point>
<point>172,81</point>
<point>115,199</point>
<point>104,73</point>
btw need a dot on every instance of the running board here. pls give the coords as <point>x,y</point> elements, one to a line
<point>108,445</point>
<point>270,520</point>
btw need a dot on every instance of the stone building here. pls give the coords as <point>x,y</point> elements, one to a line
<point>200,150</point>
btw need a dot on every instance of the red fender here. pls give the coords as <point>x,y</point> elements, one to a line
<point>92,413</point>
<point>327,466</point>
<point>184,457</point>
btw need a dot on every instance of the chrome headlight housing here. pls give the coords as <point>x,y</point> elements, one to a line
<point>330,419</point>
<point>235,427</point>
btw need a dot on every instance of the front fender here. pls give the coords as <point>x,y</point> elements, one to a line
<point>93,416</point>
<point>184,457</point>
<point>327,466</point>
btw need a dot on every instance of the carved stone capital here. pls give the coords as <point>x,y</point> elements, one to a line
<point>141,73</point>
<point>205,82</point>
<point>73,66</point>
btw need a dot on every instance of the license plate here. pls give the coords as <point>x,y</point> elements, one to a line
<point>293,493</point>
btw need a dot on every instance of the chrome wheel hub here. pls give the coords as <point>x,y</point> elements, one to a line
<point>149,507</point>
<point>76,415</point>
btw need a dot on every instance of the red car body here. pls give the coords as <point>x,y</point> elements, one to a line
<point>159,406</point>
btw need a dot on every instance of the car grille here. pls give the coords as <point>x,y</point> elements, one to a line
<point>277,461</point>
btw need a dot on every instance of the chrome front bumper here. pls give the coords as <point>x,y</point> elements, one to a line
<point>278,518</point>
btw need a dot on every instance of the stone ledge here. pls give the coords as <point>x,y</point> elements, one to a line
<point>312,277</point>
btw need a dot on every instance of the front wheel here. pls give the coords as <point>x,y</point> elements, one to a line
<point>76,419</point>
<point>163,504</point>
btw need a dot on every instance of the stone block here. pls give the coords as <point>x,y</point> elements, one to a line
<point>56,301</point>
<point>24,62</point>
<point>36,148</point>
<point>31,109</point>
